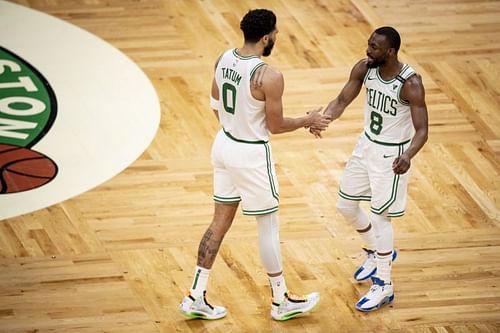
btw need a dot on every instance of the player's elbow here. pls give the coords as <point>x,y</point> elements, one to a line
<point>274,128</point>
<point>275,131</point>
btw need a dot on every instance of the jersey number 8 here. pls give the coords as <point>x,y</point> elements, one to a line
<point>376,122</point>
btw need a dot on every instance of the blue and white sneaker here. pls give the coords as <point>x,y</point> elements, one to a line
<point>379,294</point>
<point>369,266</point>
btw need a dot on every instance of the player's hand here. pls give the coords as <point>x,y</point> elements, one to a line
<point>317,122</point>
<point>315,132</point>
<point>401,164</point>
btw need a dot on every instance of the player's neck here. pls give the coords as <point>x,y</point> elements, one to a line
<point>390,70</point>
<point>249,50</point>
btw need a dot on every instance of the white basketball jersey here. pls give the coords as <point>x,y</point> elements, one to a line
<point>387,115</point>
<point>242,117</point>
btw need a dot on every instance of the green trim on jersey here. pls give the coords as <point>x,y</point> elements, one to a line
<point>405,77</point>
<point>260,212</point>
<point>354,197</point>
<point>270,173</point>
<point>387,143</point>
<point>235,53</point>
<point>405,66</point>
<point>255,68</point>
<point>400,88</point>
<point>242,141</point>
<point>398,94</point>
<point>226,200</point>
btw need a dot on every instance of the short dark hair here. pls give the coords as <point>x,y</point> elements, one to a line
<point>257,23</point>
<point>391,35</point>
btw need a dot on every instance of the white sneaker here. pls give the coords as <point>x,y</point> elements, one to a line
<point>379,294</point>
<point>294,306</point>
<point>199,308</point>
<point>369,266</point>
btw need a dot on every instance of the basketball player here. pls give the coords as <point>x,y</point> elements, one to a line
<point>378,168</point>
<point>243,164</point>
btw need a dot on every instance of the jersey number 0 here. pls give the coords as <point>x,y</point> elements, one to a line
<point>229,97</point>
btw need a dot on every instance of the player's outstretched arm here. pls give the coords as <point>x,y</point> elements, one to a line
<point>350,91</point>
<point>273,87</point>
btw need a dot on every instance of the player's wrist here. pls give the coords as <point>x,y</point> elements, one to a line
<point>307,120</point>
<point>329,115</point>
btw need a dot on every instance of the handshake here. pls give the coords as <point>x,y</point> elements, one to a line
<point>317,122</point>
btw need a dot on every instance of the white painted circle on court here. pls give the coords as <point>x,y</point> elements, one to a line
<point>107,109</point>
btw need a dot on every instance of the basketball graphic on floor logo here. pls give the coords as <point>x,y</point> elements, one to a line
<point>23,169</point>
<point>75,111</point>
<point>27,111</point>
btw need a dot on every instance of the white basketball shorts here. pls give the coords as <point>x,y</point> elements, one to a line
<point>244,172</point>
<point>368,176</point>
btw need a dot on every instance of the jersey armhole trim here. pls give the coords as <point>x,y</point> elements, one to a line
<point>252,72</point>
<point>400,99</point>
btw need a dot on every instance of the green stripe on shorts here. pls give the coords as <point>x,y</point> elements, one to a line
<point>394,191</point>
<point>396,214</point>
<point>391,200</point>
<point>260,212</point>
<point>354,197</point>
<point>227,199</point>
<point>270,173</point>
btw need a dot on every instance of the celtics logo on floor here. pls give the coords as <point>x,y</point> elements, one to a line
<point>107,110</point>
<point>28,108</point>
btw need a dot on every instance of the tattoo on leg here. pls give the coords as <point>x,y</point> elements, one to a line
<point>208,249</point>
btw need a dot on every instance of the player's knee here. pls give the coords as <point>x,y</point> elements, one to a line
<point>382,219</point>
<point>348,208</point>
<point>269,244</point>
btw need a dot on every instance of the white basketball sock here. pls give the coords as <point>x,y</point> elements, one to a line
<point>385,246</point>
<point>385,233</point>
<point>278,287</point>
<point>384,265</point>
<point>200,281</point>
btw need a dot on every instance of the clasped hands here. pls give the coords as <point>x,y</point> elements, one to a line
<point>318,122</point>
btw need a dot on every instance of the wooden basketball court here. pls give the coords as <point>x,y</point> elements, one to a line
<point>120,257</point>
